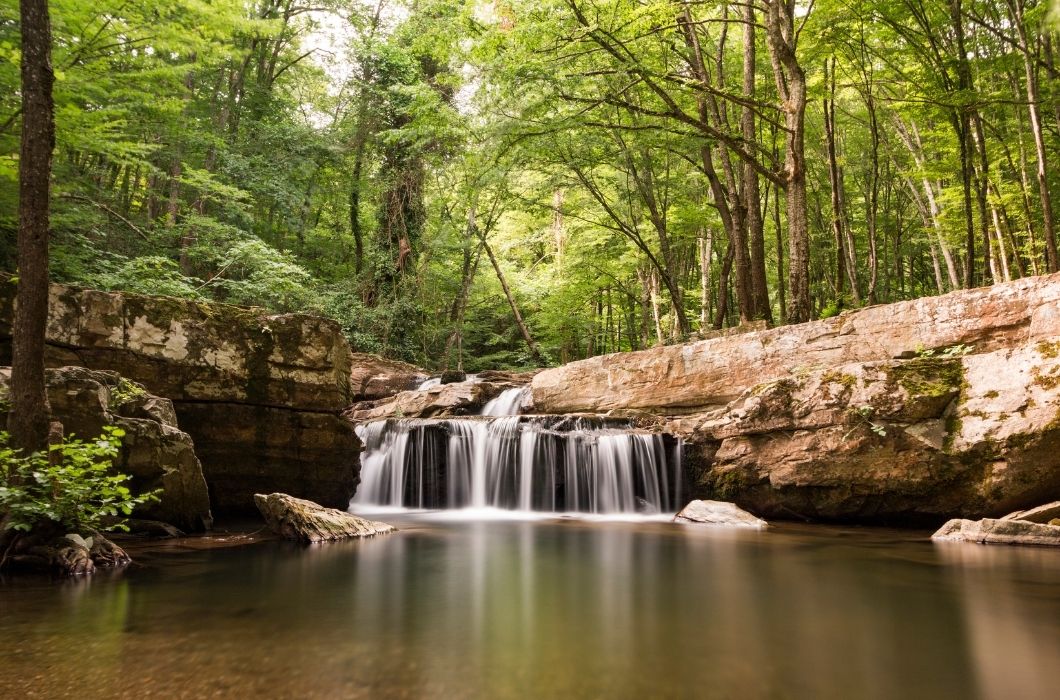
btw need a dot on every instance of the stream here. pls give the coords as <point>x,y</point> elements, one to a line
<point>456,605</point>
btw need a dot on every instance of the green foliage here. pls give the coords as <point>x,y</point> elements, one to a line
<point>347,161</point>
<point>78,492</point>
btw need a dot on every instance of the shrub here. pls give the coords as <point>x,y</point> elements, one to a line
<point>72,486</point>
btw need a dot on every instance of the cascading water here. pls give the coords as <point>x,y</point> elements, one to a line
<point>528,463</point>
<point>508,403</point>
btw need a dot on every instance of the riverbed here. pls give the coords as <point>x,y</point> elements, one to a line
<point>450,607</point>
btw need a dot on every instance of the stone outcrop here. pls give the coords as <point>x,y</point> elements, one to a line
<point>260,394</point>
<point>915,412</point>
<point>298,519</point>
<point>893,441</point>
<point>990,531</point>
<point>713,372</point>
<point>453,399</point>
<point>373,377</point>
<point>719,514</point>
<point>154,452</point>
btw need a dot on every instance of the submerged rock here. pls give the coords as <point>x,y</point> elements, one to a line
<point>298,519</point>
<point>991,531</point>
<point>720,513</point>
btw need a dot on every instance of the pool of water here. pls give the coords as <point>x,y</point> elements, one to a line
<point>449,608</point>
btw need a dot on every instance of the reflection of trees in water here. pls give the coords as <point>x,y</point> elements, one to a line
<point>572,609</point>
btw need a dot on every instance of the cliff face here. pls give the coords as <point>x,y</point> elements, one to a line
<point>910,412</point>
<point>259,394</point>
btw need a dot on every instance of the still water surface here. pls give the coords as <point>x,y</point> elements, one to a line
<point>544,609</point>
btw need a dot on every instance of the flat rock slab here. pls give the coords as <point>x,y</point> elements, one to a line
<point>298,519</point>
<point>718,513</point>
<point>1042,514</point>
<point>991,531</point>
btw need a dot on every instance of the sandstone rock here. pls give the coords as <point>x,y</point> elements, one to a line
<point>373,377</point>
<point>248,449</point>
<point>989,531</point>
<point>155,452</point>
<point>711,373</point>
<point>895,441</point>
<point>718,513</point>
<point>1041,514</point>
<point>298,519</point>
<point>256,392</point>
<point>455,399</point>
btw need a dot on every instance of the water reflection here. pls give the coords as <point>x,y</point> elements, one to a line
<point>542,609</point>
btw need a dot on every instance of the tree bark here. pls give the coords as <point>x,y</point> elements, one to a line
<point>752,196</point>
<point>781,38</point>
<point>28,420</point>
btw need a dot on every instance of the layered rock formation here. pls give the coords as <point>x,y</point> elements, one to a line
<point>154,452</point>
<point>911,412</point>
<point>713,372</point>
<point>258,393</point>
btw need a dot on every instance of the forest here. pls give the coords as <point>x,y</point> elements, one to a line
<point>506,184</point>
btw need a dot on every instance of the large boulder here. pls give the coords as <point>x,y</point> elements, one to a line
<point>154,452</point>
<point>298,519</point>
<point>893,441</point>
<point>259,393</point>
<point>713,372</point>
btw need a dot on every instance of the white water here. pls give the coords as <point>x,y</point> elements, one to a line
<point>508,403</point>
<point>431,382</point>
<point>517,463</point>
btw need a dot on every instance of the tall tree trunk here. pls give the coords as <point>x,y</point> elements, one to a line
<point>781,38</point>
<point>28,420</point>
<point>752,196</point>
<point>962,125</point>
<point>1052,259</point>
<point>843,239</point>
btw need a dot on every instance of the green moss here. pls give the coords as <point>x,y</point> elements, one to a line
<point>930,376</point>
<point>1047,381</point>
<point>1049,350</point>
<point>991,394</point>
<point>834,377</point>
<point>125,392</point>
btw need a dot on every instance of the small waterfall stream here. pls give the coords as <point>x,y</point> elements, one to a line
<point>551,464</point>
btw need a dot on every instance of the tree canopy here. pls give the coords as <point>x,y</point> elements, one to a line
<point>509,183</point>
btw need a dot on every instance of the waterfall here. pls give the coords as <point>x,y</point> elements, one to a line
<point>529,463</point>
<point>508,403</point>
<point>431,382</point>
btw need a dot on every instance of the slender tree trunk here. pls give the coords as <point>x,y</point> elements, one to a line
<point>1052,259</point>
<point>28,420</point>
<point>535,352</point>
<point>752,197</point>
<point>706,252</point>
<point>790,78</point>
